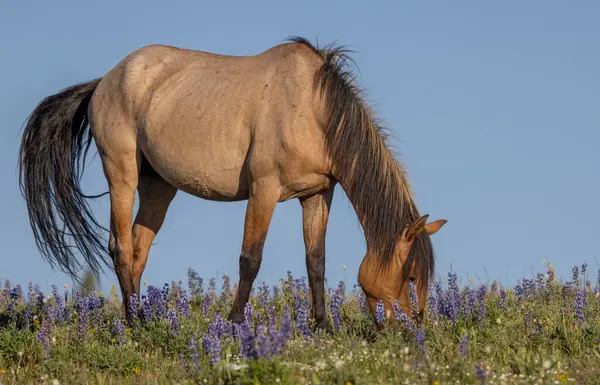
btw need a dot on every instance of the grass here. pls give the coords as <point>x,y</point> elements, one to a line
<point>540,331</point>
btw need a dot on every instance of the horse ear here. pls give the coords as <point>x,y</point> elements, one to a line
<point>416,228</point>
<point>433,227</point>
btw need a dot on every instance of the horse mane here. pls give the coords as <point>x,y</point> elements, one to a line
<point>373,179</point>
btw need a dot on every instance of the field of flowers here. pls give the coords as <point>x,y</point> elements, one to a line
<point>541,331</point>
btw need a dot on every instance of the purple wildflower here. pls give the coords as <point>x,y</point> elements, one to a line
<point>519,292</point>
<point>335,306</point>
<point>414,299</point>
<point>452,300</point>
<point>172,316</point>
<point>550,278</point>
<point>193,346</point>
<point>212,347</point>
<point>402,318</point>
<point>468,302</point>
<point>502,300</point>
<point>528,287</point>
<point>540,281</point>
<point>362,301</point>
<point>218,327</point>
<point>480,372</point>
<point>580,304</point>
<point>301,307</point>
<point>464,346</point>
<point>59,305</point>
<point>247,348</point>
<point>183,306</point>
<point>212,285</point>
<point>206,304</point>
<point>380,312</point>
<point>195,284</point>
<point>576,274</point>
<point>134,306</point>
<point>420,340</point>
<point>264,295</point>
<point>118,330</point>
<point>481,294</point>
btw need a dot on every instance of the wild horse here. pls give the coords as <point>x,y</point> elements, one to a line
<point>286,123</point>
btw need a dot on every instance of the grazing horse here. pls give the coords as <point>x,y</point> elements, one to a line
<point>286,123</point>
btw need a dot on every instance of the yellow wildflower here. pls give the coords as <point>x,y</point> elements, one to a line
<point>348,382</point>
<point>563,377</point>
<point>112,340</point>
<point>436,382</point>
<point>128,332</point>
<point>2,371</point>
<point>36,322</point>
<point>137,370</point>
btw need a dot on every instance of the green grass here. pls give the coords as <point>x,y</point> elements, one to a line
<point>534,340</point>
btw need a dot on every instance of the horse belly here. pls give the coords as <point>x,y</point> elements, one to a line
<point>211,170</point>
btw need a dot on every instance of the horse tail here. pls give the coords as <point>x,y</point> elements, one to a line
<point>55,142</point>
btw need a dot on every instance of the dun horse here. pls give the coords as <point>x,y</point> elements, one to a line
<point>286,123</point>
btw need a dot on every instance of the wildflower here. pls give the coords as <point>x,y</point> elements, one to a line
<point>137,370</point>
<point>212,347</point>
<point>550,276</point>
<point>452,298</point>
<point>420,340</point>
<point>528,287</point>
<point>195,355</point>
<point>519,292</point>
<point>576,274</point>
<point>481,293</point>
<point>480,372</point>
<point>380,312</point>
<point>335,306</point>
<point>206,304</point>
<point>195,284</point>
<point>540,281</point>
<point>118,330</point>
<point>401,317</point>
<point>436,382</point>
<point>414,300</point>
<point>502,300</point>
<point>247,348</point>
<point>301,307</point>
<point>2,371</point>
<point>183,306</point>
<point>464,346</point>
<point>580,304</point>
<point>362,300</point>
<point>172,316</point>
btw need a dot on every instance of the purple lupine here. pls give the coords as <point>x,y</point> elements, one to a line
<point>414,299</point>
<point>452,300</point>
<point>212,285</point>
<point>217,328</point>
<point>519,292</point>
<point>134,306</point>
<point>264,296</point>
<point>402,318</point>
<point>183,306</point>
<point>31,293</point>
<point>539,281</point>
<point>464,346</point>
<point>118,331</point>
<point>362,302</point>
<point>550,278</point>
<point>206,304</point>
<point>43,335</point>
<point>502,300</point>
<point>301,307</point>
<point>154,306</point>
<point>468,302</point>
<point>195,283</point>
<point>335,306</point>
<point>212,347</point>
<point>380,312</point>
<point>420,340</point>
<point>59,305</point>
<point>193,346</point>
<point>598,282</point>
<point>435,299</point>
<point>247,348</point>
<point>481,294</point>
<point>580,304</point>
<point>286,323</point>
<point>82,319</point>
<point>172,317</point>
<point>528,287</point>
<point>576,275</point>
<point>226,288</point>
<point>263,346</point>
<point>480,372</point>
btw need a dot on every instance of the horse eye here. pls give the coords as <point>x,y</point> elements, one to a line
<point>412,279</point>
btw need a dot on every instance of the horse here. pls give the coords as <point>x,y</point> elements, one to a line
<point>288,122</point>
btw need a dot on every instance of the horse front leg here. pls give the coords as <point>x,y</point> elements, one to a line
<point>315,215</point>
<point>261,204</point>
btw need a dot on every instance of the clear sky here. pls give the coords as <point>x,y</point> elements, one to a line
<point>495,104</point>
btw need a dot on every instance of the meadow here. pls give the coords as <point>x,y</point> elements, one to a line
<point>540,331</point>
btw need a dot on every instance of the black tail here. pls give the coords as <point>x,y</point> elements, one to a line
<point>54,146</point>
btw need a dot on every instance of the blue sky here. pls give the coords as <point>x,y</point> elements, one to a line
<point>495,105</point>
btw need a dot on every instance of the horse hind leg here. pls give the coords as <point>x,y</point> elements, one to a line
<point>155,196</point>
